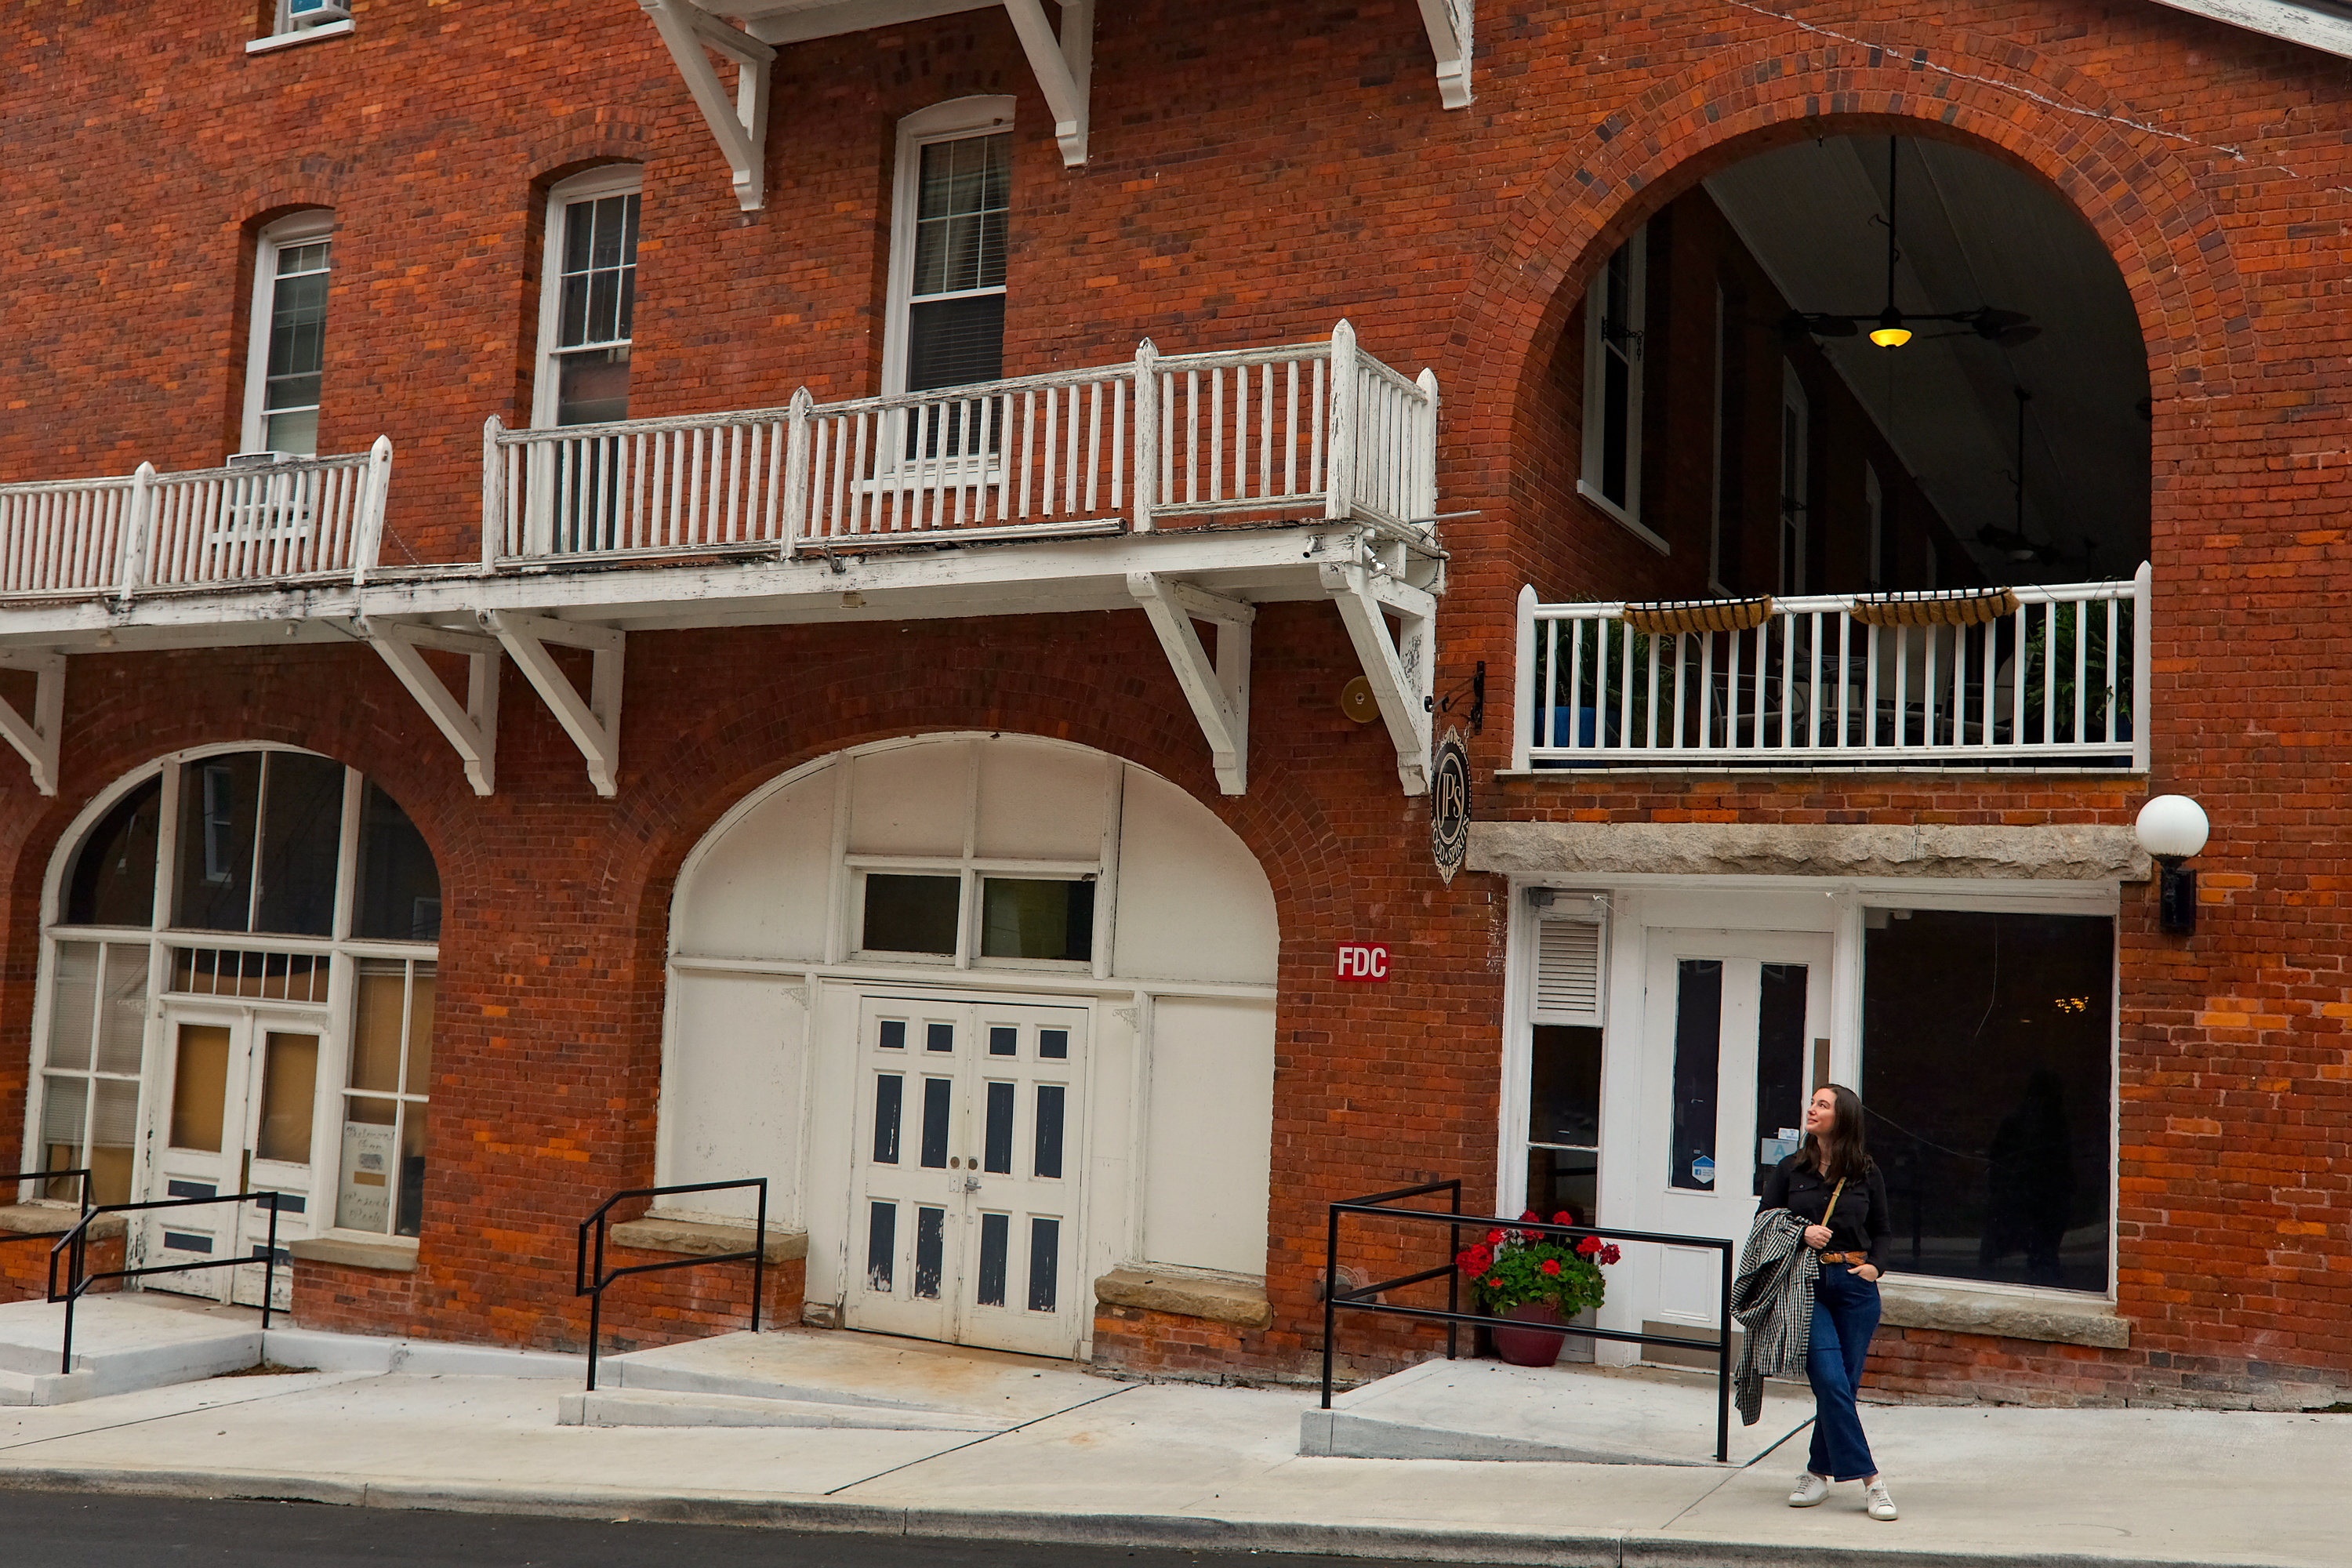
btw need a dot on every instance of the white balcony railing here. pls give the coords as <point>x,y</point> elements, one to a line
<point>1314,429</point>
<point>2053,675</point>
<point>306,518</point>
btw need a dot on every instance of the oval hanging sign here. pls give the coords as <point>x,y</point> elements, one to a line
<point>1449,804</point>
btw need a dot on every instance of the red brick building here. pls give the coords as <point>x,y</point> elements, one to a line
<point>943,790</point>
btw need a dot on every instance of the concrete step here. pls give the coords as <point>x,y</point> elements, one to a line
<point>120,1343</point>
<point>1490,1410</point>
<point>660,1407</point>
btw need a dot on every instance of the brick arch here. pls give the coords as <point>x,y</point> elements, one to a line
<point>2128,181</point>
<point>574,142</point>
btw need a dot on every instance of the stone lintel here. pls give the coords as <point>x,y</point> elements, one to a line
<point>1907,1302</point>
<point>1187,1293</point>
<point>704,1238</point>
<point>2072,852</point>
<point>393,1254</point>
<point>41,1219</point>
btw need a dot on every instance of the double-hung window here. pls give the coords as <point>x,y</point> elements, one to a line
<point>1616,309</point>
<point>588,300</point>
<point>287,357</point>
<point>954,198</point>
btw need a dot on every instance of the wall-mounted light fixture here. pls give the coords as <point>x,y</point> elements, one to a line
<point>2172,827</point>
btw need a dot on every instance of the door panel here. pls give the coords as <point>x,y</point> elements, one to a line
<point>964,1222</point>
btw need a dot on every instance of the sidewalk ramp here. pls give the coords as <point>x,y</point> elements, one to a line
<point>1583,1414</point>
<point>800,1378</point>
<point>120,1343</point>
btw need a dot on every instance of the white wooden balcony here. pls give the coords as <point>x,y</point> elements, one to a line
<point>2040,676</point>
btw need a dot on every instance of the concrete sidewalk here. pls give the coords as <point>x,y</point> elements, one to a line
<point>1178,1465</point>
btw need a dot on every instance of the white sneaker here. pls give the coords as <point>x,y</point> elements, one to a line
<point>1875,1498</point>
<point>1811,1489</point>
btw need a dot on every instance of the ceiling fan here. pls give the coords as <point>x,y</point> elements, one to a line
<point>1890,328</point>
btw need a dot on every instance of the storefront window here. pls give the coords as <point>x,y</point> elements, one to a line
<point>1564,1122</point>
<point>1987,1053</point>
<point>383,1186</point>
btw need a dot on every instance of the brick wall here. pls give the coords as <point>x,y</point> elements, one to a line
<point>1257,172</point>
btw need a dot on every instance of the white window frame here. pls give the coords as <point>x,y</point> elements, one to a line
<point>330,20</point>
<point>611,180</point>
<point>971,871</point>
<point>306,228</point>
<point>1636,250</point>
<point>949,122</point>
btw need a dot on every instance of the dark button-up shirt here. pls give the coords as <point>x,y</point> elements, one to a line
<point>1862,1222</point>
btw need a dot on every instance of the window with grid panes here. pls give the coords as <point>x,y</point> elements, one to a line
<point>595,284</point>
<point>955,301</point>
<point>382,1186</point>
<point>286,370</point>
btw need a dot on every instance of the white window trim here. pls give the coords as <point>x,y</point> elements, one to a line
<point>947,122</point>
<point>286,38</point>
<point>1637,249</point>
<point>611,180</point>
<point>301,228</point>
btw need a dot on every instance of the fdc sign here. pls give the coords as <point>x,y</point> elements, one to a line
<point>1363,961</point>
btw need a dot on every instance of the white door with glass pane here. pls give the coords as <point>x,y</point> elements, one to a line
<point>240,1114</point>
<point>1735,1027</point>
<point>964,1219</point>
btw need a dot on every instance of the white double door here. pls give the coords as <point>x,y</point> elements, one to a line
<point>1735,1036</point>
<point>969,1138</point>
<point>240,1113</point>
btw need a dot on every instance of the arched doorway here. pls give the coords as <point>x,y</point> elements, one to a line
<point>239,959</point>
<point>994,1015</point>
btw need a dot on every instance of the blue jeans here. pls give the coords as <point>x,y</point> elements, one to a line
<point>1845,1314</point>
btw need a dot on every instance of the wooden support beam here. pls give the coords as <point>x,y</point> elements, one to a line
<point>1449,25</point>
<point>1064,65</point>
<point>1399,668</point>
<point>593,724</point>
<point>35,739</point>
<point>740,125</point>
<point>1217,689</point>
<point>470,727</point>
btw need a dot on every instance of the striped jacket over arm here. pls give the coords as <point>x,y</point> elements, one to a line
<point>1772,1297</point>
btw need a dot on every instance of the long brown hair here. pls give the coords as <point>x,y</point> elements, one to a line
<point>1844,1155</point>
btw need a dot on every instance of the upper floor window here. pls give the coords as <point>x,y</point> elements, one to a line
<point>287,357</point>
<point>948,244</point>
<point>300,21</point>
<point>588,298</point>
<point>1615,315</point>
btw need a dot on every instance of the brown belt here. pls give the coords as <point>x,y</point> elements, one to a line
<point>1852,1260</point>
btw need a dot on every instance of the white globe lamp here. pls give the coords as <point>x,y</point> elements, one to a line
<point>2172,829</point>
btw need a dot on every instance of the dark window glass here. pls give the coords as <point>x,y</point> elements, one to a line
<point>995,1241</point>
<point>1044,1263</point>
<point>1781,1086</point>
<point>881,1246</point>
<point>400,887</point>
<point>1003,1040</point>
<point>301,838</point>
<point>936,1091</point>
<point>1564,1106</point>
<point>893,1035</point>
<point>889,1090</point>
<point>930,1250</point>
<point>1051,1098</point>
<point>1054,1044</point>
<point>113,880</point>
<point>939,1037</point>
<point>220,800</point>
<point>996,1139</point>
<point>953,343</point>
<point>1988,1049</point>
<point>1038,919</point>
<point>955,333</point>
<point>1699,1054</point>
<point>911,914</point>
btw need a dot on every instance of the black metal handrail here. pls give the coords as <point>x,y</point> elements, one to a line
<point>21,1177</point>
<point>74,1245</point>
<point>582,1286</point>
<point>1360,1299</point>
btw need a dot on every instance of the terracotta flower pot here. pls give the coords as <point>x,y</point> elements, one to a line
<point>1524,1347</point>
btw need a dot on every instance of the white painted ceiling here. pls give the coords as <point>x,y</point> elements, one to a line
<point>1972,232</point>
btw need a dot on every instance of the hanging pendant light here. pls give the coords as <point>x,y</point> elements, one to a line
<point>1890,332</point>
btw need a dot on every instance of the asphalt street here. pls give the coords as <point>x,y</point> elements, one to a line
<point>79,1529</point>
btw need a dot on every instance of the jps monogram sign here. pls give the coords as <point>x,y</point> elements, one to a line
<point>1449,804</point>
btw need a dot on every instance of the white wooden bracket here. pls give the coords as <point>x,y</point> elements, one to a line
<point>36,740</point>
<point>1064,65</point>
<point>471,726</point>
<point>1449,23</point>
<point>595,724</point>
<point>740,125</point>
<point>1400,668</point>
<point>1218,689</point>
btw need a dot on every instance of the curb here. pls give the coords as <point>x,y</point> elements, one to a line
<point>1174,1531</point>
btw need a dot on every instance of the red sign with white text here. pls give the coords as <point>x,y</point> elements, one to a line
<point>1363,962</point>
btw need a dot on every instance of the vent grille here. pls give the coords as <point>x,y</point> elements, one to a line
<point>1568,973</point>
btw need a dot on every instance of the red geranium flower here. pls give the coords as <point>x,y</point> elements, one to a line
<point>1551,1266</point>
<point>1495,1237</point>
<point>1587,1246</point>
<point>1528,1213</point>
<point>1563,1217</point>
<point>1609,1254</point>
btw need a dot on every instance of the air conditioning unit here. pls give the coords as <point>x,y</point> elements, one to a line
<point>304,13</point>
<point>261,459</point>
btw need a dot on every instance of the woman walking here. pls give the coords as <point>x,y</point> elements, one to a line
<point>1831,1184</point>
